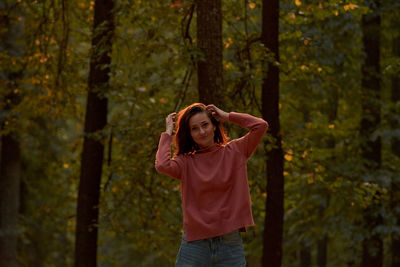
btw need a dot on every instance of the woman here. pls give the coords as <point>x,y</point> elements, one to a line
<point>215,194</point>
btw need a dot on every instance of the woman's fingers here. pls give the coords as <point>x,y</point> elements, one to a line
<point>217,113</point>
<point>211,107</point>
<point>171,116</point>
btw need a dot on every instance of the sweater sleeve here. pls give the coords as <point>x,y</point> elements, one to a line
<point>248,143</point>
<point>164,163</point>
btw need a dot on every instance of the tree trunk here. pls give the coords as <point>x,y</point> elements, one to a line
<point>371,117</point>
<point>331,110</point>
<point>305,256</point>
<point>273,226</point>
<point>93,148</point>
<point>10,161</point>
<point>9,199</point>
<point>209,41</point>
<point>322,251</point>
<point>395,192</point>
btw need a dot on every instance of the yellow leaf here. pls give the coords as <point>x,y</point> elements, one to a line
<point>350,6</point>
<point>252,5</point>
<point>297,2</point>
<point>288,157</point>
<point>353,6</point>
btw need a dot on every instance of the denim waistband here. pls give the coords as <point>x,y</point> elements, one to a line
<point>219,237</point>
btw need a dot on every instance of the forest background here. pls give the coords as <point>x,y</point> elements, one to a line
<point>337,197</point>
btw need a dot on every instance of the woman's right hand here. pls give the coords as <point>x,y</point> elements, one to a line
<point>169,123</point>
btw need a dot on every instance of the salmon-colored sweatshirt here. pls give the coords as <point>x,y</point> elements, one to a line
<point>215,191</point>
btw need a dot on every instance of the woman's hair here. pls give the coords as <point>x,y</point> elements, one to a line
<point>183,139</point>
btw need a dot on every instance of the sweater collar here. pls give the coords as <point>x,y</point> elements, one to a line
<point>211,148</point>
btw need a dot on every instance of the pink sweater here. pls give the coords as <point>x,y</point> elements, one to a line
<point>215,192</point>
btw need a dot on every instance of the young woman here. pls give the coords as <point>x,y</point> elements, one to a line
<point>215,194</point>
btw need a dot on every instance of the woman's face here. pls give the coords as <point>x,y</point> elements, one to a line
<point>202,130</point>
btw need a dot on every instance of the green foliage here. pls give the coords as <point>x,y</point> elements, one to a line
<point>327,187</point>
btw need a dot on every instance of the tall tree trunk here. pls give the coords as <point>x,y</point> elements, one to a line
<point>273,226</point>
<point>9,199</point>
<point>209,41</point>
<point>10,165</point>
<point>395,192</point>
<point>305,255</point>
<point>371,117</point>
<point>331,110</point>
<point>322,251</point>
<point>93,148</point>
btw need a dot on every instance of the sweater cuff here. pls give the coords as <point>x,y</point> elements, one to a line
<point>165,139</point>
<point>165,133</point>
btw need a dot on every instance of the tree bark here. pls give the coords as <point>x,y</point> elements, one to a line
<point>209,42</point>
<point>273,226</point>
<point>10,161</point>
<point>93,147</point>
<point>305,256</point>
<point>9,199</point>
<point>372,255</point>
<point>395,192</point>
<point>322,251</point>
<point>331,110</point>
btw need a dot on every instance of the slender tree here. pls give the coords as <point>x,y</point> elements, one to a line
<point>273,227</point>
<point>395,192</point>
<point>305,255</point>
<point>372,255</point>
<point>93,148</point>
<point>209,42</point>
<point>332,108</point>
<point>10,165</point>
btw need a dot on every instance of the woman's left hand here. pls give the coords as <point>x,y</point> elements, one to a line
<point>217,113</point>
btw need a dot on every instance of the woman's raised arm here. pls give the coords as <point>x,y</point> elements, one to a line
<point>164,163</point>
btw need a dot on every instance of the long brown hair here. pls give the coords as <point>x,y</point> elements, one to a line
<point>183,139</point>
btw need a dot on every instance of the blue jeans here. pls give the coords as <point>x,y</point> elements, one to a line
<point>225,250</point>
